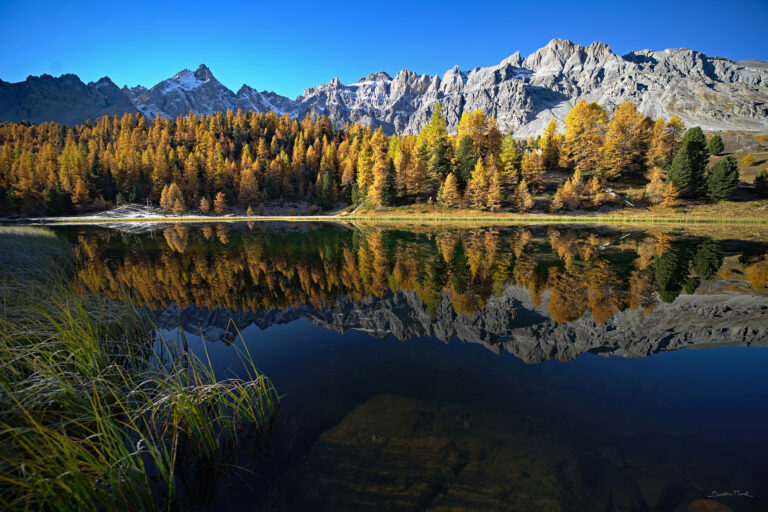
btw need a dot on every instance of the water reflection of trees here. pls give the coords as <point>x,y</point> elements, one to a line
<point>584,271</point>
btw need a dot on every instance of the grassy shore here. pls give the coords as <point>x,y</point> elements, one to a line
<point>96,412</point>
<point>726,212</point>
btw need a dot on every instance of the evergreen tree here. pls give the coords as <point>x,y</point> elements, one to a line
<point>81,197</point>
<point>493,199</point>
<point>477,188</point>
<point>670,195</point>
<point>327,193</point>
<point>761,183</point>
<point>688,166</point>
<point>449,192</point>
<point>509,160</point>
<point>715,145</point>
<point>178,206</point>
<point>465,162</point>
<point>220,203</point>
<point>585,127</point>
<point>625,142</point>
<point>523,200</point>
<point>174,198</point>
<point>708,259</point>
<point>724,179</point>
<point>440,164</point>
<point>205,205</point>
<point>52,201</point>
<point>550,146</point>
<point>654,191</point>
<point>671,271</point>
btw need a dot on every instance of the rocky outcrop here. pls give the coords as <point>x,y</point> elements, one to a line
<point>512,323</point>
<point>65,99</point>
<point>523,94</point>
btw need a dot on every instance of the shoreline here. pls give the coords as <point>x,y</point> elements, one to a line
<point>399,218</point>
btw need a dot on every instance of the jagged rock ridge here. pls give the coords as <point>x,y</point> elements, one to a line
<point>523,94</point>
<point>512,323</point>
<point>65,99</point>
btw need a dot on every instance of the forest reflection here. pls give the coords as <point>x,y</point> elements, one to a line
<point>257,267</point>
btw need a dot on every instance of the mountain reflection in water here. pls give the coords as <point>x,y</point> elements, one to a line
<point>404,359</point>
<point>537,292</point>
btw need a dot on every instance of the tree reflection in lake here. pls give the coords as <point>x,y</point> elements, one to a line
<point>594,272</point>
<point>370,423</point>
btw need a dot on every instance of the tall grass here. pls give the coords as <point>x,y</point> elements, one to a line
<point>96,411</point>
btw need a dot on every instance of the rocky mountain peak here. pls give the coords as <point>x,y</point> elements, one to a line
<point>381,76</point>
<point>523,94</point>
<point>203,73</point>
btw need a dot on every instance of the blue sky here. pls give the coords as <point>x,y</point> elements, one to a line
<point>287,46</point>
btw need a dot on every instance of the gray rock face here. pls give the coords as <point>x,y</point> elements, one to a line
<point>511,322</point>
<point>65,99</point>
<point>523,94</point>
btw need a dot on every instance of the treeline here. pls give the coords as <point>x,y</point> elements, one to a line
<point>216,265</point>
<point>247,159</point>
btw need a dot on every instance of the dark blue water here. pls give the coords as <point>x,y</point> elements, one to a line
<point>393,398</point>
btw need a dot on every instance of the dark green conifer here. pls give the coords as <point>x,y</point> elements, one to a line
<point>724,179</point>
<point>715,145</point>
<point>465,162</point>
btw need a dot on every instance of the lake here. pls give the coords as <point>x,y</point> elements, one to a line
<point>505,368</point>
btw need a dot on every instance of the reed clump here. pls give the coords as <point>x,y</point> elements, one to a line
<point>97,412</point>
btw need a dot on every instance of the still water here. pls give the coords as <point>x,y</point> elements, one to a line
<point>510,368</point>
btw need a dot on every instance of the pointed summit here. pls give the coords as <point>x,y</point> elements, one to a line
<point>203,73</point>
<point>381,76</point>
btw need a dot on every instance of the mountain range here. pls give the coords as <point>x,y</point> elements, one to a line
<point>522,93</point>
<point>511,322</point>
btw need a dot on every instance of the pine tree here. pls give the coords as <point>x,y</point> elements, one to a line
<point>532,168</point>
<point>715,145</point>
<point>80,196</point>
<point>249,211</point>
<point>477,188</point>
<point>465,162</point>
<point>509,160</point>
<point>624,145</point>
<point>523,200</point>
<point>748,160</point>
<point>164,204</point>
<point>249,187</point>
<point>173,195</point>
<point>660,145</point>
<point>724,179</point>
<point>439,164</point>
<point>382,190</point>
<point>761,183</point>
<point>364,169</point>
<point>654,191</point>
<point>449,192</point>
<point>493,199</point>
<point>178,206</point>
<point>220,203</point>
<point>327,192</point>
<point>52,201</point>
<point>550,146</point>
<point>681,173</point>
<point>585,127</point>
<point>670,195</point>
<point>687,171</point>
<point>205,205</point>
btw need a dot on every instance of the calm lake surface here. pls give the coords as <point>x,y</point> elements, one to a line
<point>512,368</point>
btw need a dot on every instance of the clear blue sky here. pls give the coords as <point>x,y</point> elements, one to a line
<point>286,46</point>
